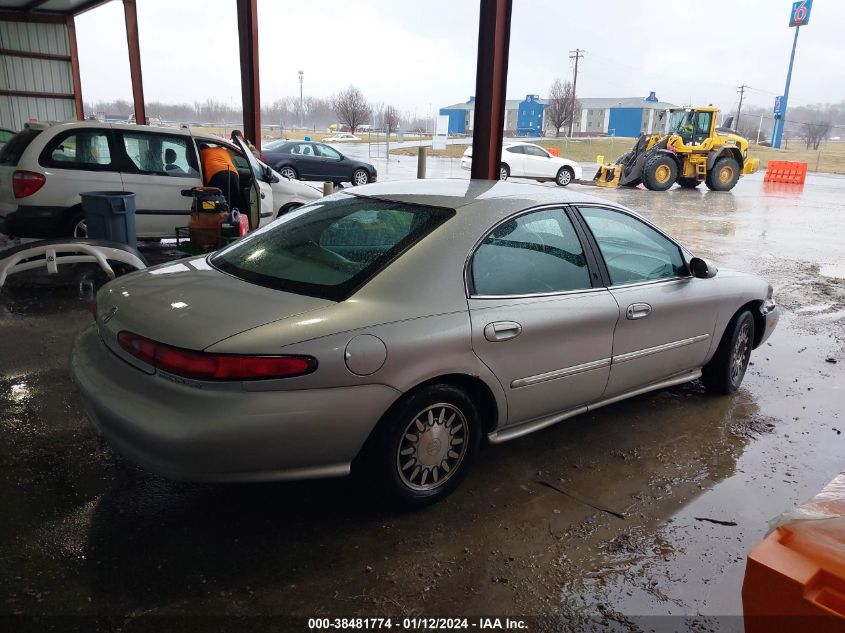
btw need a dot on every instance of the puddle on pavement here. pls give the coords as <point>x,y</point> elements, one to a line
<point>833,270</point>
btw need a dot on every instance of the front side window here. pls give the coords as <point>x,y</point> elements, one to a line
<point>534,253</point>
<point>327,152</point>
<point>78,149</point>
<point>632,250</point>
<point>159,154</point>
<point>329,249</point>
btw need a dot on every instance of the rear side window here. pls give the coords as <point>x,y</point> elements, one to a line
<point>14,149</point>
<point>78,149</point>
<point>332,248</point>
<point>160,154</point>
<point>535,253</point>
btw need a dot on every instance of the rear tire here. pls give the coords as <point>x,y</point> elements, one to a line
<point>565,175</point>
<point>426,444</point>
<point>660,172</point>
<point>724,174</point>
<point>76,226</point>
<point>725,371</point>
<point>504,172</point>
<point>288,172</point>
<point>688,183</point>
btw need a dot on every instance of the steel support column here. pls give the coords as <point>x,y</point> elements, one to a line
<point>74,67</point>
<point>131,13</point>
<point>248,40</point>
<point>491,82</point>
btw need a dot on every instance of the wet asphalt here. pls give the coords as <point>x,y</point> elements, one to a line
<point>86,533</point>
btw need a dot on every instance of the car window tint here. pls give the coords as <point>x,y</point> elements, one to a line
<point>327,152</point>
<point>82,149</point>
<point>14,149</point>
<point>302,149</point>
<point>329,249</point>
<point>535,151</point>
<point>160,154</point>
<point>515,150</point>
<point>535,253</point>
<point>632,250</point>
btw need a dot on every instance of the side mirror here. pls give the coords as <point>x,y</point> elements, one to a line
<point>701,269</point>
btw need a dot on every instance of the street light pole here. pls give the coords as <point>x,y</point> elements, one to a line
<point>301,109</point>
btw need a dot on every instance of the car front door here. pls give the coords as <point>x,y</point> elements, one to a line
<point>332,165</point>
<point>156,168</point>
<point>261,204</point>
<point>541,319</point>
<point>666,316</point>
<point>538,162</point>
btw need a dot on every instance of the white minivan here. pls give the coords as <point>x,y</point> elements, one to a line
<point>45,167</point>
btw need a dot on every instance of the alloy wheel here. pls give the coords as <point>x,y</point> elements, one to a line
<point>741,353</point>
<point>432,447</point>
<point>360,178</point>
<point>287,172</point>
<point>564,177</point>
<point>503,173</point>
<point>80,229</point>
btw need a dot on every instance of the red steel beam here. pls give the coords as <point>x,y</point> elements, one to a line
<point>74,67</point>
<point>248,40</point>
<point>130,11</point>
<point>491,82</point>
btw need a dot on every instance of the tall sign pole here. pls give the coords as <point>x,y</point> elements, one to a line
<point>799,17</point>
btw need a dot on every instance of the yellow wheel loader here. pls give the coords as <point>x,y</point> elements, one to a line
<point>693,150</point>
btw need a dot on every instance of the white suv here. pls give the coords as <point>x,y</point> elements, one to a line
<point>45,168</point>
<point>527,160</point>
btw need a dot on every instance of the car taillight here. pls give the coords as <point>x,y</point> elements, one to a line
<point>204,366</point>
<point>26,183</point>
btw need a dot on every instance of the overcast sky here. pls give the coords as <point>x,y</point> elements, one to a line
<point>421,54</point>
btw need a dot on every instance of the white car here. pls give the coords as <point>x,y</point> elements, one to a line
<point>527,160</point>
<point>45,167</point>
<point>342,137</point>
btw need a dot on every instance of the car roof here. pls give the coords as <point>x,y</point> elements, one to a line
<point>458,193</point>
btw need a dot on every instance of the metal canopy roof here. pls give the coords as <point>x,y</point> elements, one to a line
<point>50,7</point>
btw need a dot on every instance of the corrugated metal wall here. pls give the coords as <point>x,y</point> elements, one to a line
<point>34,75</point>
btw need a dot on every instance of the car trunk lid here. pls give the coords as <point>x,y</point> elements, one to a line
<point>192,305</point>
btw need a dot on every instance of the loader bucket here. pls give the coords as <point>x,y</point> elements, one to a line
<point>608,175</point>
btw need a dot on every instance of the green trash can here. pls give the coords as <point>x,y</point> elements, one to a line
<point>110,215</point>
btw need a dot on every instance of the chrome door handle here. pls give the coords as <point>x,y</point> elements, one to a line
<point>502,331</point>
<point>637,311</point>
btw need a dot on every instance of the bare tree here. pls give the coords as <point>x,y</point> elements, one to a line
<point>351,107</point>
<point>815,133</point>
<point>561,106</point>
<point>391,118</point>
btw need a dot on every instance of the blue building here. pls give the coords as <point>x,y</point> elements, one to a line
<point>615,116</point>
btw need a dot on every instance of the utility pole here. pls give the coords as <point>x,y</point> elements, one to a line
<point>576,55</point>
<point>741,91</point>
<point>301,108</point>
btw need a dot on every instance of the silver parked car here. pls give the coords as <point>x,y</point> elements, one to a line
<point>394,326</point>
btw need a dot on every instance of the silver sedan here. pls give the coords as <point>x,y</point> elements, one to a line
<point>393,327</point>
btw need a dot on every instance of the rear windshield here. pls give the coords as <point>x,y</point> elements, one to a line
<point>329,249</point>
<point>14,149</point>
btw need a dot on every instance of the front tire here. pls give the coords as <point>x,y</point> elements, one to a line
<point>565,175</point>
<point>427,444</point>
<point>660,172</point>
<point>725,371</point>
<point>360,177</point>
<point>724,174</point>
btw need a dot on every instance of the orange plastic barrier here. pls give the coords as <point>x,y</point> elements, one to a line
<point>554,151</point>
<point>795,578</point>
<point>786,171</point>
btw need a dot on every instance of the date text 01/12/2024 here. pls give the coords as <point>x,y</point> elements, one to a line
<point>416,624</point>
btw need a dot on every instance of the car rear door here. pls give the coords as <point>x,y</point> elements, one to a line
<point>513,157</point>
<point>156,168</point>
<point>666,317</point>
<point>541,319</point>
<point>305,161</point>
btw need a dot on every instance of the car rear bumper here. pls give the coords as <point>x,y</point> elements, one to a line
<point>36,221</point>
<point>226,433</point>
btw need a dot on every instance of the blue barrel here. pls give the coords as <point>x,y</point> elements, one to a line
<point>110,215</point>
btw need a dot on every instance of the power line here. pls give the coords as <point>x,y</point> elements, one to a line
<point>576,55</point>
